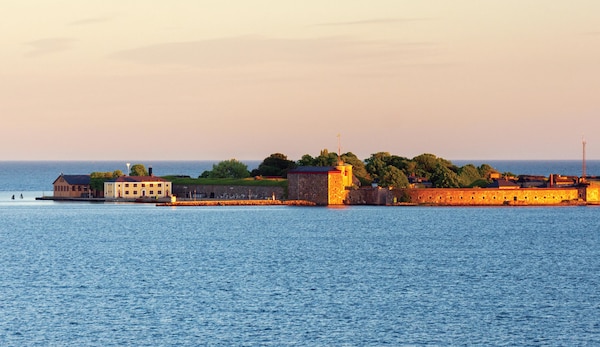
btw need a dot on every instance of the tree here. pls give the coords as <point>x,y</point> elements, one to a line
<point>326,159</point>
<point>444,177</point>
<point>425,164</point>
<point>97,179</point>
<point>393,177</point>
<point>227,169</point>
<point>467,175</point>
<point>401,163</point>
<point>138,170</point>
<point>377,163</point>
<point>306,160</point>
<point>276,164</point>
<point>485,170</point>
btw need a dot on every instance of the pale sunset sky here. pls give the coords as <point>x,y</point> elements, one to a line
<point>214,80</point>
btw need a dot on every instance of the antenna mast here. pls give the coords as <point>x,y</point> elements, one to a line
<point>583,163</point>
<point>583,174</point>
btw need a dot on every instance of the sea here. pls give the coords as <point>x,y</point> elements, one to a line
<point>120,274</point>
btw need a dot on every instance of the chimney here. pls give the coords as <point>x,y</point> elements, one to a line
<point>150,170</point>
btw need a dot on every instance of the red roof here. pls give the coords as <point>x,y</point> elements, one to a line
<point>138,179</point>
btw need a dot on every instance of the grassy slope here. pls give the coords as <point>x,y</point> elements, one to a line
<point>229,182</point>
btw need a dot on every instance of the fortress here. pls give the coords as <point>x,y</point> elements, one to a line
<point>333,185</point>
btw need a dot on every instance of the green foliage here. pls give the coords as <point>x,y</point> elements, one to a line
<point>138,170</point>
<point>393,177</point>
<point>231,168</point>
<point>485,170</point>
<point>276,164</point>
<point>467,175</point>
<point>324,159</point>
<point>444,177</point>
<point>306,160</point>
<point>358,167</point>
<point>377,163</point>
<point>440,172</point>
<point>425,164</point>
<point>481,183</point>
<point>97,183</point>
<point>390,170</point>
<point>97,179</point>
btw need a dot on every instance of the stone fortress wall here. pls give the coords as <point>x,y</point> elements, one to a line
<point>475,196</point>
<point>487,196</point>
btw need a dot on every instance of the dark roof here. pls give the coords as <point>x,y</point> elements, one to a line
<point>502,183</point>
<point>75,179</point>
<point>312,169</point>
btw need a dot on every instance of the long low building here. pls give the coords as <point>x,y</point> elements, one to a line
<point>137,187</point>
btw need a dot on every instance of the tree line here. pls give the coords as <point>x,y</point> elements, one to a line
<point>385,169</point>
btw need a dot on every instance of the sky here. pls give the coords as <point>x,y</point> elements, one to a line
<point>215,80</point>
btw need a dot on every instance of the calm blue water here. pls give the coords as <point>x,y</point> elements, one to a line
<point>88,274</point>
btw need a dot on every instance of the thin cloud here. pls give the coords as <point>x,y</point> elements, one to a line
<point>49,46</point>
<point>243,51</point>
<point>373,21</point>
<point>88,21</point>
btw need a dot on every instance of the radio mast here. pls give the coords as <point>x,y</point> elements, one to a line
<point>583,174</point>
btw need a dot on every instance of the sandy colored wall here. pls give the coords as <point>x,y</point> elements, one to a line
<point>487,197</point>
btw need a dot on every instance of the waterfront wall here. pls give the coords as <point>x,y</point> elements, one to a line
<point>310,187</point>
<point>225,192</point>
<point>472,196</point>
<point>487,196</point>
<point>368,196</point>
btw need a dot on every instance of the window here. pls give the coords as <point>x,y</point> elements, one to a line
<point>126,192</point>
<point>151,184</point>
<point>160,184</point>
<point>151,192</point>
<point>135,192</point>
<point>135,185</point>
<point>126,185</point>
<point>159,192</point>
<point>143,185</point>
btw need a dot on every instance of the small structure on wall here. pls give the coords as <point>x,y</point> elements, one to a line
<point>323,185</point>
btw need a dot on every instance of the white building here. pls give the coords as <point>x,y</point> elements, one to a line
<point>135,187</point>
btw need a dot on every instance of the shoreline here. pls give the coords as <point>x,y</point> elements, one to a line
<point>239,203</point>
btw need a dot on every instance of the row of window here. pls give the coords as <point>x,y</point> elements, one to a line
<point>143,185</point>
<point>73,188</point>
<point>135,192</point>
